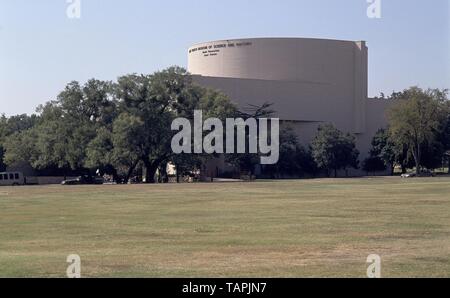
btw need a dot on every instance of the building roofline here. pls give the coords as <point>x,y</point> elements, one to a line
<point>275,38</point>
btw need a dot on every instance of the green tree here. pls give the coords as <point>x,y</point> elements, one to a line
<point>385,153</point>
<point>186,163</point>
<point>62,139</point>
<point>287,163</point>
<point>100,153</point>
<point>152,101</point>
<point>66,126</point>
<point>21,147</point>
<point>333,150</point>
<point>373,164</point>
<point>415,119</point>
<point>390,153</point>
<point>156,100</point>
<point>128,147</point>
<point>433,155</point>
<point>294,161</point>
<point>10,126</point>
<point>112,127</point>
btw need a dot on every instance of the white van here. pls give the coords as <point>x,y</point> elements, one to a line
<point>11,178</point>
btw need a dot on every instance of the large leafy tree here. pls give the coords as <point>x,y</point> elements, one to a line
<point>333,150</point>
<point>65,127</point>
<point>416,118</point>
<point>386,153</point>
<point>21,148</point>
<point>114,127</point>
<point>155,101</point>
<point>11,126</point>
<point>99,153</point>
<point>69,124</point>
<point>152,102</point>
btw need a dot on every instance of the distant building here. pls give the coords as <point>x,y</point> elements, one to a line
<point>309,81</point>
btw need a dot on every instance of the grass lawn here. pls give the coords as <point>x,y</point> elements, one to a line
<point>310,228</point>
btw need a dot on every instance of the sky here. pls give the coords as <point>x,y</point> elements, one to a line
<point>42,49</point>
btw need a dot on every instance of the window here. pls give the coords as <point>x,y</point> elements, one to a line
<point>16,176</point>
<point>1,177</point>
<point>11,176</point>
<point>5,176</point>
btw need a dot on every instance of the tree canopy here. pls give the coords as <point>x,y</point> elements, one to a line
<point>416,121</point>
<point>123,128</point>
<point>333,150</point>
<point>112,126</point>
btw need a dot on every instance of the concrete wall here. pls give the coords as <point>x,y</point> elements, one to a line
<point>280,59</point>
<point>46,180</point>
<point>306,79</point>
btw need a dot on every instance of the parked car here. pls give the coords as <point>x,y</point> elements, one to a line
<point>427,173</point>
<point>83,180</point>
<point>424,173</point>
<point>409,175</point>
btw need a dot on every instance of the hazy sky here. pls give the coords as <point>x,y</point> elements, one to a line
<point>41,49</point>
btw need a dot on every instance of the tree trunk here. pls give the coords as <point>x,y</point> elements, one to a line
<point>130,172</point>
<point>150,175</point>
<point>418,169</point>
<point>151,168</point>
<point>115,175</point>
<point>416,155</point>
<point>163,177</point>
<point>178,173</point>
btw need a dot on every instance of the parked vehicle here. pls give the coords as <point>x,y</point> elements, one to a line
<point>424,173</point>
<point>83,180</point>
<point>427,173</point>
<point>11,179</point>
<point>409,175</point>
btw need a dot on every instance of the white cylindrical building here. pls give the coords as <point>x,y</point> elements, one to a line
<point>308,81</point>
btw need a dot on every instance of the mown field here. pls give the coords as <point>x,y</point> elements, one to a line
<point>310,228</point>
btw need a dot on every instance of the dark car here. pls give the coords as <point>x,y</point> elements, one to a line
<point>427,173</point>
<point>83,180</point>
